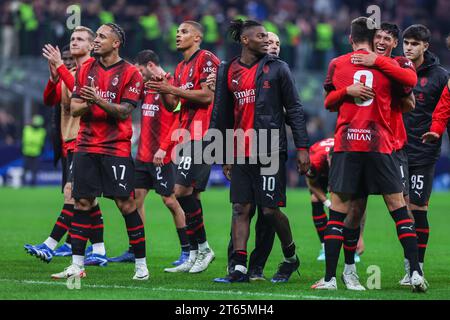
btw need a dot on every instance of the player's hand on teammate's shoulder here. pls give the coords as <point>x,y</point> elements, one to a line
<point>303,162</point>
<point>211,81</point>
<point>367,60</point>
<point>430,137</point>
<point>359,90</point>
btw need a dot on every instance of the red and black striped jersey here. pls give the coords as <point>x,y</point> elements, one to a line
<point>100,132</point>
<point>362,126</point>
<point>189,75</point>
<point>156,122</point>
<point>242,84</point>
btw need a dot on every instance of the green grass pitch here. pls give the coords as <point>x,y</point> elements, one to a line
<point>27,216</point>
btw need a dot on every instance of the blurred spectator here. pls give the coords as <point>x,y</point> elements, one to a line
<point>7,128</point>
<point>313,31</point>
<point>9,36</point>
<point>33,139</point>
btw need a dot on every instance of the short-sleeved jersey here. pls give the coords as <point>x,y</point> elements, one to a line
<point>242,85</point>
<point>318,156</point>
<point>156,122</point>
<point>100,132</point>
<point>189,75</point>
<point>398,93</point>
<point>362,126</point>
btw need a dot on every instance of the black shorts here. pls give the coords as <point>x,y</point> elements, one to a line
<point>67,170</point>
<point>249,185</point>
<point>364,172</point>
<point>190,174</point>
<point>401,158</point>
<point>95,175</point>
<point>161,179</point>
<point>421,184</point>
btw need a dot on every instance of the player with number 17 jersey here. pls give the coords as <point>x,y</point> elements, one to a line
<point>99,132</point>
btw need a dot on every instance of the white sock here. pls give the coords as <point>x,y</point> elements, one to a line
<point>240,268</point>
<point>78,260</point>
<point>421,266</point>
<point>291,259</point>
<point>323,246</point>
<point>193,255</point>
<point>51,243</point>
<point>99,248</point>
<point>69,245</point>
<point>141,262</point>
<point>203,246</point>
<point>349,268</point>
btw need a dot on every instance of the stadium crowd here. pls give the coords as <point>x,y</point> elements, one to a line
<point>311,32</point>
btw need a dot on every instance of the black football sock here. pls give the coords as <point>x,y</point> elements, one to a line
<point>68,239</point>
<point>319,218</point>
<point>351,237</point>
<point>289,253</point>
<point>136,233</point>
<point>199,226</point>
<point>63,223</point>
<point>190,207</point>
<point>80,231</point>
<point>184,240</point>
<point>422,230</point>
<point>408,237</point>
<point>97,225</point>
<point>334,236</point>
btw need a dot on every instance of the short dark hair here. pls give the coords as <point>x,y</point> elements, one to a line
<point>417,32</point>
<point>237,27</point>
<point>390,28</point>
<point>360,30</point>
<point>146,56</point>
<point>118,31</point>
<point>196,25</point>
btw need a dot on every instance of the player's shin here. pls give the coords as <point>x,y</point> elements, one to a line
<point>423,231</point>
<point>408,238</point>
<point>96,237</point>
<point>136,235</point>
<point>351,237</point>
<point>80,231</point>
<point>62,225</point>
<point>334,236</point>
<point>319,218</point>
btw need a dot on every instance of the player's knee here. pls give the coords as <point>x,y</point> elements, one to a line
<point>269,212</point>
<point>352,221</point>
<point>67,192</point>
<point>126,206</point>
<point>84,204</point>
<point>182,191</point>
<point>238,209</point>
<point>170,202</point>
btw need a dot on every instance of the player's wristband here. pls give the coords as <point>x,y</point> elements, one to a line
<point>327,203</point>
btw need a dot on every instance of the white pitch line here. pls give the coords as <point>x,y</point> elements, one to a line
<point>225,292</point>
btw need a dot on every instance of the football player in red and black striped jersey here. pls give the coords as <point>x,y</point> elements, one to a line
<point>189,88</point>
